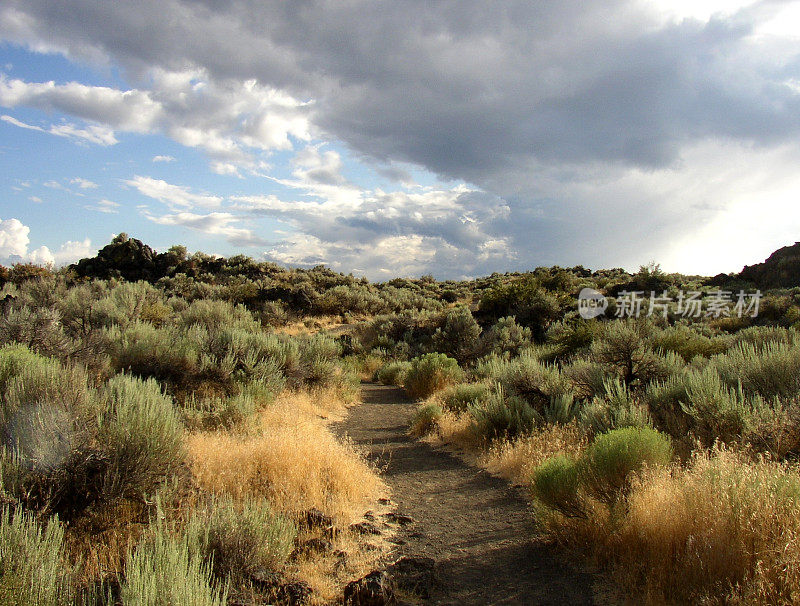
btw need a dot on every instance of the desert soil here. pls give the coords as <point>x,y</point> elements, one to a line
<point>478,528</point>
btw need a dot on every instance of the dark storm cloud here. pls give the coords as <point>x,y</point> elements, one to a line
<point>458,87</point>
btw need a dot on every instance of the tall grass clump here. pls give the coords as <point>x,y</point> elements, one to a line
<point>244,538</point>
<point>290,459</point>
<point>458,398</point>
<point>724,530</point>
<point>499,417</point>
<point>32,572</point>
<point>167,569</point>
<point>430,373</point>
<point>769,370</point>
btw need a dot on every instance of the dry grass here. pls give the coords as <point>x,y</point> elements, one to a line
<point>455,430</point>
<point>515,460</point>
<point>328,573</point>
<point>310,326</point>
<point>292,459</point>
<point>723,531</point>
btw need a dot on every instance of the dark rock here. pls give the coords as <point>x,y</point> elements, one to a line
<point>341,558</point>
<point>314,518</point>
<point>364,528</point>
<point>266,580</point>
<point>295,593</point>
<point>415,575</point>
<point>385,501</point>
<point>375,589</point>
<point>780,270</point>
<point>397,518</point>
<point>369,515</point>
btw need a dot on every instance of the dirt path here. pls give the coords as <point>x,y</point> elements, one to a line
<point>476,527</point>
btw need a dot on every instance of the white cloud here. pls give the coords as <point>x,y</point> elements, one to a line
<point>231,121</point>
<point>83,183</point>
<point>97,134</point>
<point>69,252</point>
<point>104,206</point>
<point>215,223</point>
<point>225,168</point>
<point>13,238</point>
<point>14,241</point>
<point>460,230</point>
<point>172,195</point>
<point>35,199</point>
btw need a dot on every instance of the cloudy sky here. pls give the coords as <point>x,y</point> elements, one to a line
<point>403,137</point>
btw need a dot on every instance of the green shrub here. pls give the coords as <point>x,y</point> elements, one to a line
<point>585,378</point>
<point>39,329</point>
<point>32,572</point>
<point>771,369</point>
<point>27,378</point>
<point>556,485</point>
<point>500,417</point>
<point>458,398</point>
<point>242,539</point>
<point>532,381</point>
<point>611,461</point>
<point>624,349</point>
<point>215,412</point>
<point>571,338</point>
<point>665,400</point>
<point>393,373</point>
<point>430,373</point>
<point>562,409</point>
<point>716,410</point>
<point>149,352</point>
<point>212,315</point>
<point>524,298</point>
<point>459,335</point>
<point>141,436</point>
<point>687,342</point>
<point>615,409</point>
<point>48,417</point>
<point>165,570</point>
<point>506,337</point>
<point>319,355</point>
<point>762,335</point>
<point>424,419</point>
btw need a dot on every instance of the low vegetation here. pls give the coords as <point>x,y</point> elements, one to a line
<point>164,423</point>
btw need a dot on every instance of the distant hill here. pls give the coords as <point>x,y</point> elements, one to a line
<point>780,270</point>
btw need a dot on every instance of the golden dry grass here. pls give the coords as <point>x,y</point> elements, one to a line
<point>515,460</point>
<point>310,326</point>
<point>291,459</point>
<point>725,530</point>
